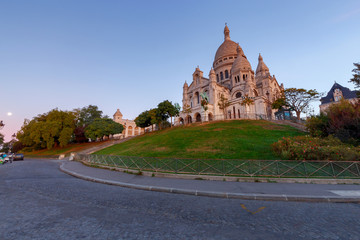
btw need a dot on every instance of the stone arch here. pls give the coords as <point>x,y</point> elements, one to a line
<point>130,132</point>
<point>210,117</point>
<point>188,119</point>
<point>197,117</point>
<point>136,131</point>
<point>181,121</point>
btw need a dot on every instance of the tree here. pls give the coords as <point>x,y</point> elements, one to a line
<point>101,127</point>
<point>165,110</point>
<point>298,99</point>
<point>223,104</point>
<point>356,77</point>
<point>177,110</point>
<point>187,110</point>
<point>154,117</point>
<point>1,139</point>
<point>84,117</point>
<point>247,101</point>
<point>143,120</point>
<point>204,102</point>
<point>48,130</point>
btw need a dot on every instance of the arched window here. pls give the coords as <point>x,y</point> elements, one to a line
<point>226,74</point>
<point>217,77</point>
<point>238,95</point>
<point>221,76</point>
<point>197,97</point>
<point>244,77</point>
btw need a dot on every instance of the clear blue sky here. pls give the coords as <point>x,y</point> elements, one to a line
<point>133,54</point>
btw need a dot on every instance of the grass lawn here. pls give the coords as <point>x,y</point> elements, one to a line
<point>237,139</point>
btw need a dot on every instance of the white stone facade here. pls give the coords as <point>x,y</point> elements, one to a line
<point>232,76</point>
<point>130,128</point>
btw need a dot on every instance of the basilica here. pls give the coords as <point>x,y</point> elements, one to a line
<point>232,81</point>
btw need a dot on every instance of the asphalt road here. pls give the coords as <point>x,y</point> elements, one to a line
<point>40,202</point>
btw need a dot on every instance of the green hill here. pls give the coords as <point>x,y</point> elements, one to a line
<point>238,139</point>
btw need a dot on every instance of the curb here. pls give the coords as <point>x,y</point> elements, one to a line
<point>244,196</point>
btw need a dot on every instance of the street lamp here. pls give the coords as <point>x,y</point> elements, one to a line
<point>1,124</point>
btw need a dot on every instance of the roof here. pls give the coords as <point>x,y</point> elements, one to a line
<point>118,113</point>
<point>261,65</point>
<point>227,48</point>
<point>241,63</point>
<point>346,92</point>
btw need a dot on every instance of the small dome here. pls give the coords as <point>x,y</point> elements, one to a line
<point>118,113</point>
<point>241,63</point>
<point>261,66</point>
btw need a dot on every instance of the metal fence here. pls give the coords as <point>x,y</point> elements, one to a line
<point>240,168</point>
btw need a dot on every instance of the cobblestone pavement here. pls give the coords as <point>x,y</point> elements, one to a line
<point>40,202</point>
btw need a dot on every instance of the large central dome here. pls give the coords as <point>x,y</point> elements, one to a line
<point>227,48</point>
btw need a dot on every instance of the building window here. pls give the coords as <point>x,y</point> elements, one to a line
<point>217,77</point>
<point>226,74</point>
<point>221,76</point>
<point>244,77</point>
<point>238,95</point>
<point>197,97</point>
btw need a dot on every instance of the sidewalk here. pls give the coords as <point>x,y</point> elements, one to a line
<point>239,190</point>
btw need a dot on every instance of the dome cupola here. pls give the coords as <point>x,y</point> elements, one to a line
<point>227,48</point>
<point>261,67</point>
<point>241,63</point>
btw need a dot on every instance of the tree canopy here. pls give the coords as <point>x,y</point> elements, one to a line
<point>223,103</point>
<point>48,130</point>
<point>298,99</point>
<point>101,127</point>
<point>356,76</point>
<point>143,120</point>
<point>87,115</point>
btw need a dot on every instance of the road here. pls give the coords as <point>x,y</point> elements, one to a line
<point>40,202</point>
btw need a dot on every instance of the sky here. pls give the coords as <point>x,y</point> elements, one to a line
<point>131,55</point>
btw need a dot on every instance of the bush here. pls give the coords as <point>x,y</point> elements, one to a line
<point>341,120</point>
<point>313,148</point>
<point>344,121</point>
<point>317,125</point>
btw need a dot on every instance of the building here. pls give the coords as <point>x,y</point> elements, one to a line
<point>232,76</point>
<point>336,93</point>
<point>130,128</point>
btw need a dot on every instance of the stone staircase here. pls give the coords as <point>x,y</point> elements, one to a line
<point>104,145</point>
<point>299,126</point>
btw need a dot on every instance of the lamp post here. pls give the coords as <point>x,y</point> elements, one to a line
<point>1,124</point>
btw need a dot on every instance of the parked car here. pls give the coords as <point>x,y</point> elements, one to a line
<point>18,156</point>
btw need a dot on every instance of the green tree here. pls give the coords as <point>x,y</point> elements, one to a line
<point>298,99</point>
<point>48,130</point>
<point>101,127</point>
<point>356,77</point>
<point>223,103</point>
<point>85,116</point>
<point>166,109</point>
<point>1,139</point>
<point>153,113</point>
<point>143,120</point>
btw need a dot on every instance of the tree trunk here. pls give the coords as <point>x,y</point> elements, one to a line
<point>298,115</point>
<point>170,121</point>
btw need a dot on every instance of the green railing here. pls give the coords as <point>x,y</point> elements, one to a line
<point>238,168</point>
